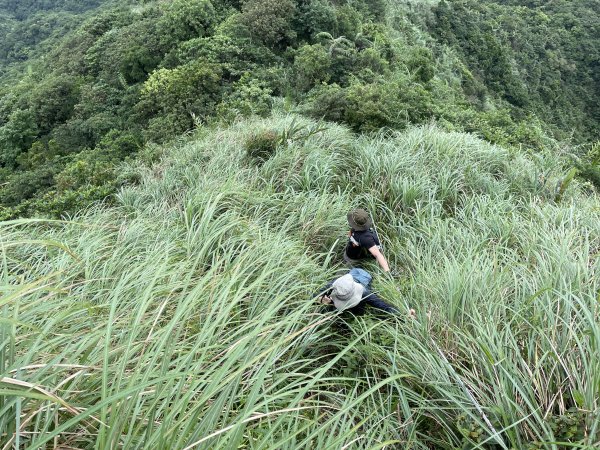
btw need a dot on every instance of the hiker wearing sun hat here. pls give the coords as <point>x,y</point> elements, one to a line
<point>363,242</point>
<point>347,294</point>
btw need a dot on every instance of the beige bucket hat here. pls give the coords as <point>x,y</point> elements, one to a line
<point>346,292</point>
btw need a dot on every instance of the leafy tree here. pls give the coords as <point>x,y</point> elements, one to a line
<point>185,19</point>
<point>23,9</point>
<point>312,66</point>
<point>249,96</point>
<point>190,90</point>
<point>422,65</point>
<point>53,101</point>
<point>269,22</point>
<point>313,17</point>
<point>24,185</point>
<point>16,135</point>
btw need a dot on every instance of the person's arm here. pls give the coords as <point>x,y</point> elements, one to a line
<point>380,258</point>
<point>377,302</point>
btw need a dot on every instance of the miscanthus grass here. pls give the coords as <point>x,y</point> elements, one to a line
<point>184,317</point>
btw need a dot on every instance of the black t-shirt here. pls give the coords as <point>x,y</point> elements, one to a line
<point>365,240</point>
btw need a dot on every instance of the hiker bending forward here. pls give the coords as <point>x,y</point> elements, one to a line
<point>363,242</point>
<point>346,294</point>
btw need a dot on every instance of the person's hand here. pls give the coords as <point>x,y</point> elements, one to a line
<point>326,300</point>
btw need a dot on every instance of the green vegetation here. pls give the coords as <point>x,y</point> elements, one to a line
<point>85,86</point>
<point>30,28</point>
<point>181,316</point>
<point>174,179</point>
<point>537,56</point>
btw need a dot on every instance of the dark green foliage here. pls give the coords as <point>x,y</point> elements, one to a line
<point>312,66</point>
<point>371,106</point>
<point>269,21</point>
<point>86,168</point>
<point>79,82</point>
<point>588,165</point>
<point>21,38</point>
<point>31,28</point>
<point>313,17</point>
<point>137,63</point>
<point>422,65</point>
<point>53,102</point>
<point>261,145</point>
<point>188,91</point>
<point>570,426</point>
<point>26,184</point>
<point>16,134</point>
<point>536,55</point>
<point>183,20</point>
<point>249,96</point>
<point>371,9</point>
<point>22,9</point>
<point>569,430</point>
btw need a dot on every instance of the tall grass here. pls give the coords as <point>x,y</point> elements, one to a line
<point>184,318</point>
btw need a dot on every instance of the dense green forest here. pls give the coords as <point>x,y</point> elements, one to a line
<point>29,28</point>
<point>174,182</point>
<point>85,85</point>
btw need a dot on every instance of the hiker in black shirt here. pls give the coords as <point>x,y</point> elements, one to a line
<point>363,241</point>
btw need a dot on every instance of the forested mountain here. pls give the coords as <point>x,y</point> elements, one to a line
<point>85,88</point>
<point>228,140</point>
<point>539,56</point>
<point>23,9</point>
<point>24,25</point>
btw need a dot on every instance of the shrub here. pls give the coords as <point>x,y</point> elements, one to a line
<point>315,16</point>
<point>171,97</point>
<point>372,106</point>
<point>269,21</point>
<point>250,96</point>
<point>24,185</point>
<point>311,67</point>
<point>184,19</point>
<point>16,136</point>
<point>328,102</point>
<point>261,145</point>
<point>588,165</point>
<point>422,64</point>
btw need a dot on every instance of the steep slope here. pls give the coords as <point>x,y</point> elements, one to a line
<point>81,96</point>
<point>183,316</point>
<point>31,28</point>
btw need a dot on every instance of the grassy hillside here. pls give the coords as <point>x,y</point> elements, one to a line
<point>182,317</point>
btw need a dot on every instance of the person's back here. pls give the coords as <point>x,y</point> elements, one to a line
<point>363,242</point>
<point>360,242</point>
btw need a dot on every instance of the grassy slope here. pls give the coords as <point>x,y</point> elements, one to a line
<point>183,315</point>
